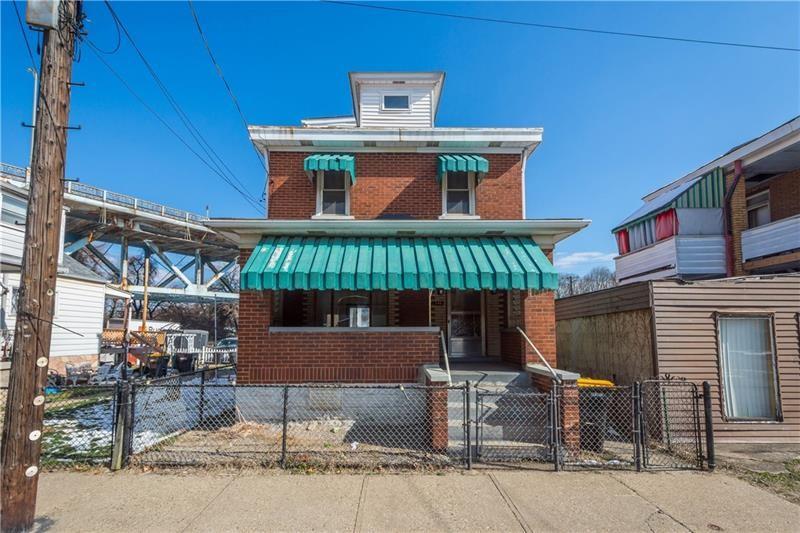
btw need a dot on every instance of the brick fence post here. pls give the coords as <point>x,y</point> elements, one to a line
<point>571,417</point>
<point>436,406</point>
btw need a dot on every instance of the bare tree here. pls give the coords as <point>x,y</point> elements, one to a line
<point>597,279</point>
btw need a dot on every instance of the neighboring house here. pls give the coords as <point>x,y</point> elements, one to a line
<point>386,237</point>
<point>709,291</point>
<point>80,293</point>
<point>737,215</point>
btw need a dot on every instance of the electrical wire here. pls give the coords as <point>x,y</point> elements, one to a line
<point>169,128</point>
<point>116,46</point>
<point>215,159</point>
<point>218,68</point>
<point>56,128</point>
<point>557,27</point>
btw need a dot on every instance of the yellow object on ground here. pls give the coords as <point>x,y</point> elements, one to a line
<point>589,382</point>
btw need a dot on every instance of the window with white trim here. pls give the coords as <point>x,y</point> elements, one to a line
<point>758,209</point>
<point>458,193</point>
<point>333,192</point>
<point>747,368</point>
<point>395,102</point>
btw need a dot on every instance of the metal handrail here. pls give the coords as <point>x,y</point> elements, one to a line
<point>535,349</point>
<point>446,359</point>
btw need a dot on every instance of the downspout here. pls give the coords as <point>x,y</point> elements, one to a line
<point>525,153</point>
<point>727,220</point>
<point>265,153</point>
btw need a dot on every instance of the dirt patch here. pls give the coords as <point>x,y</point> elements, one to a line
<point>785,484</point>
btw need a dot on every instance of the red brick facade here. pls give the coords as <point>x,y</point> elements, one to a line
<point>318,356</point>
<point>394,184</point>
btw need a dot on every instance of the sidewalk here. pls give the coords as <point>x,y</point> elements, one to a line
<point>478,500</point>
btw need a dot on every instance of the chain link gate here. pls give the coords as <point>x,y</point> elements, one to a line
<point>670,425</point>
<point>514,426</point>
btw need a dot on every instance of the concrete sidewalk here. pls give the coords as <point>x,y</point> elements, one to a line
<point>478,500</point>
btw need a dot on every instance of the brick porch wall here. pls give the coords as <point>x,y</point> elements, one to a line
<point>394,184</point>
<point>341,357</point>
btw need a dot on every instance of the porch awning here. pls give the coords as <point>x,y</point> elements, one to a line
<point>462,163</point>
<point>389,263</point>
<point>343,162</point>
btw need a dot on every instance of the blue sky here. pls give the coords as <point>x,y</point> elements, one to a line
<point>621,116</point>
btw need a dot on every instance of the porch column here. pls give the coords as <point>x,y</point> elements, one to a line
<point>255,318</point>
<point>538,320</point>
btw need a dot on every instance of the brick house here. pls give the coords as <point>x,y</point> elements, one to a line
<point>709,290</point>
<point>388,242</point>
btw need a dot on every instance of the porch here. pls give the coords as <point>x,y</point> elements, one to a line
<point>375,309</point>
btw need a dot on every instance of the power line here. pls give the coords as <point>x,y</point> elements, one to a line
<point>62,144</point>
<point>187,122</point>
<point>166,124</point>
<point>222,77</point>
<point>556,27</point>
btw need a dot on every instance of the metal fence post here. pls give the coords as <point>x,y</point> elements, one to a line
<point>202,396</point>
<point>121,426</point>
<point>637,425</point>
<point>711,460</point>
<point>555,445</point>
<point>467,428</point>
<point>130,421</point>
<point>285,424</point>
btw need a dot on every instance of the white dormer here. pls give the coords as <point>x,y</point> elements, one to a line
<point>396,99</point>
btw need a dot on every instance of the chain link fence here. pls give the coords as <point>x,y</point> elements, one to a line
<point>78,425</point>
<point>205,420</point>
<point>298,426</point>
<point>515,427</point>
<point>597,427</point>
<point>671,425</point>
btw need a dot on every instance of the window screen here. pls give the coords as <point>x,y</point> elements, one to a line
<point>334,191</point>
<point>395,101</point>
<point>458,193</point>
<point>747,365</point>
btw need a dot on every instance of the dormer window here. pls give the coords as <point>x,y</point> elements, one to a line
<point>333,193</point>
<point>458,193</point>
<point>395,102</point>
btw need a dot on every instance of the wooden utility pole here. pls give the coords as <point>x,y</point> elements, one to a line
<point>22,431</point>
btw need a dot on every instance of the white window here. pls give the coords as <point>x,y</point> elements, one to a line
<point>333,193</point>
<point>758,210</point>
<point>747,368</point>
<point>458,193</point>
<point>395,102</point>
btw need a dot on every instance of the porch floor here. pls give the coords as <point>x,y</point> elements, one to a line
<point>491,374</point>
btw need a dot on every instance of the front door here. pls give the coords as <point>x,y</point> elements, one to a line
<point>466,325</point>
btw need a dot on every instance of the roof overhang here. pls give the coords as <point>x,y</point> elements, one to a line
<point>428,140</point>
<point>545,232</point>
<point>784,138</point>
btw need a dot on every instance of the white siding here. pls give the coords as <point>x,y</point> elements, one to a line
<point>420,114</point>
<point>682,255</point>
<point>11,240</point>
<point>79,307</point>
<point>773,238</point>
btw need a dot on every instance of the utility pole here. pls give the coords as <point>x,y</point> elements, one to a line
<point>22,431</point>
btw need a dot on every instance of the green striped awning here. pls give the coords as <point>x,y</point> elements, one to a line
<point>389,263</point>
<point>344,162</point>
<point>707,191</point>
<point>462,163</point>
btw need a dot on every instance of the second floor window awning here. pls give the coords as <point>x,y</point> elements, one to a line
<point>462,163</point>
<point>342,162</point>
<point>390,263</point>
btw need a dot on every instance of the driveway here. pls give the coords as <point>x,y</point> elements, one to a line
<point>477,500</point>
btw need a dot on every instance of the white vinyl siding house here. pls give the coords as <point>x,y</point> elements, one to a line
<point>79,307</point>
<point>375,114</point>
